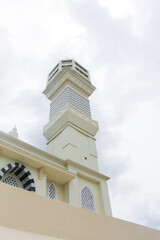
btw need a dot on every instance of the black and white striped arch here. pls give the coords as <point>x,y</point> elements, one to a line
<point>22,173</point>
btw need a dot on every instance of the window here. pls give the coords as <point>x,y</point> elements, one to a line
<point>87,199</point>
<point>52,193</point>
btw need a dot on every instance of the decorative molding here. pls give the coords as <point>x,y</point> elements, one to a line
<point>41,172</point>
<point>70,115</point>
<point>21,154</point>
<point>69,144</point>
<point>86,172</point>
<point>68,76</point>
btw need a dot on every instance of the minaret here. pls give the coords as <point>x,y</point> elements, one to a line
<point>71,135</point>
<point>71,130</point>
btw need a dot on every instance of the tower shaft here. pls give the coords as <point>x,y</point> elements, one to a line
<point>71,130</point>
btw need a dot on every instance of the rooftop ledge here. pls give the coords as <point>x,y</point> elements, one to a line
<point>70,115</point>
<point>36,158</point>
<point>68,76</point>
<point>86,172</point>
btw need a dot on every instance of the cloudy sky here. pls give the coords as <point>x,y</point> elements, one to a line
<point>118,42</point>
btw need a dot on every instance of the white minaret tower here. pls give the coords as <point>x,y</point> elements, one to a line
<point>71,132</point>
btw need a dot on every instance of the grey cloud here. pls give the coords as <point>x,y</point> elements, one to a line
<point>147,214</point>
<point>130,67</point>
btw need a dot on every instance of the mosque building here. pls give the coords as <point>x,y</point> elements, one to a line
<point>60,193</point>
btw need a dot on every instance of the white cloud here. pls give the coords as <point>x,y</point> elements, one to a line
<point>118,8</point>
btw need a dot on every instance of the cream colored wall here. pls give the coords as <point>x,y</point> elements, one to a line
<point>69,193</point>
<point>31,212</point>
<point>104,198</point>
<point>76,146</point>
<point>66,193</point>
<point>73,193</point>
<point>5,160</point>
<point>40,184</point>
<point>97,183</point>
<point>14,234</point>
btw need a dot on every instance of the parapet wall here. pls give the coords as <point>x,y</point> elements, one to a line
<point>30,212</point>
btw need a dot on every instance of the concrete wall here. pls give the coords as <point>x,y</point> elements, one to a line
<point>40,184</point>
<point>14,234</point>
<point>76,146</point>
<point>31,212</point>
<point>70,192</point>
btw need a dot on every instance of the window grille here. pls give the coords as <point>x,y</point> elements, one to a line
<point>52,193</point>
<point>68,95</point>
<point>87,199</point>
<point>11,181</point>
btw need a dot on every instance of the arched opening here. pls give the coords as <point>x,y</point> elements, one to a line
<point>17,175</point>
